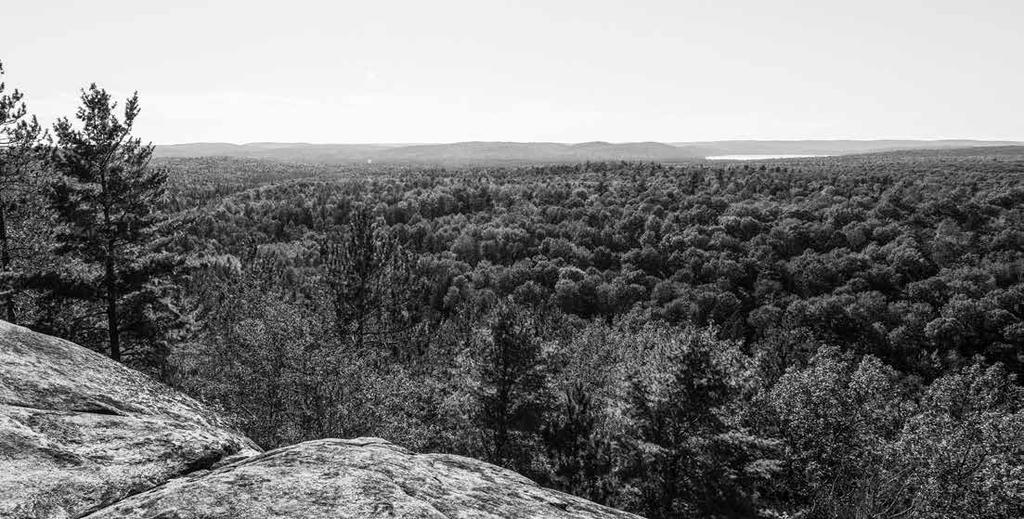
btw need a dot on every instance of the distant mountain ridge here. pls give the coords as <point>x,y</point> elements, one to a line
<point>550,152</point>
<point>832,147</point>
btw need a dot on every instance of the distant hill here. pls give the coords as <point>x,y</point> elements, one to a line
<point>273,150</point>
<point>548,152</point>
<point>828,147</point>
<point>535,152</point>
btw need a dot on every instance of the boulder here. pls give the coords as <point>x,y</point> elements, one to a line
<point>360,478</point>
<point>83,436</point>
<point>79,431</point>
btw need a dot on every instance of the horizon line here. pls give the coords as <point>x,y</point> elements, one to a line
<point>669,142</point>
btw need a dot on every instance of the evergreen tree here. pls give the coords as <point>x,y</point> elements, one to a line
<point>105,197</point>
<point>511,390</point>
<point>19,139</point>
<point>372,288</point>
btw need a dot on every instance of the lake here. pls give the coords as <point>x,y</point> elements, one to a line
<point>760,157</point>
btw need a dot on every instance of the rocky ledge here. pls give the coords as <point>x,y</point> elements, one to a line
<point>83,436</point>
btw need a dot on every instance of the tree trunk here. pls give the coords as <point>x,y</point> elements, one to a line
<point>109,273</point>
<point>112,329</point>
<point>5,265</point>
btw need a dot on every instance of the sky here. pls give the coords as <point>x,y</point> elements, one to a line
<point>422,71</point>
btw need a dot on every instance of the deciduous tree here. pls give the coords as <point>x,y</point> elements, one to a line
<point>20,136</point>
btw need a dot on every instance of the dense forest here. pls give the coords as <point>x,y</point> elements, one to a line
<point>827,337</point>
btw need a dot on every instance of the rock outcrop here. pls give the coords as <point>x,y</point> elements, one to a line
<point>360,478</point>
<point>79,432</point>
<point>83,436</point>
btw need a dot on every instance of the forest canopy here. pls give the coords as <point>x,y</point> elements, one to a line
<point>827,337</point>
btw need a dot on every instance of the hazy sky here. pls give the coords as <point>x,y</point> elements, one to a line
<point>546,70</point>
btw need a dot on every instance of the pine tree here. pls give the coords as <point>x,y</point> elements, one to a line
<point>19,139</point>
<point>372,288</point>
<point>511,382</point>
<point>105,197</point>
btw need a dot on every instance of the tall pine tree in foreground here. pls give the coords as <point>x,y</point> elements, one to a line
<point>105,197</point>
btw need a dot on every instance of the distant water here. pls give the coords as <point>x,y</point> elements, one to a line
<point>760,157</point>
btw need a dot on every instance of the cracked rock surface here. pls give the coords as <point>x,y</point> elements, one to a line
<point>83,436</point>
<point>79,431</point>
<point>359,478</point>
